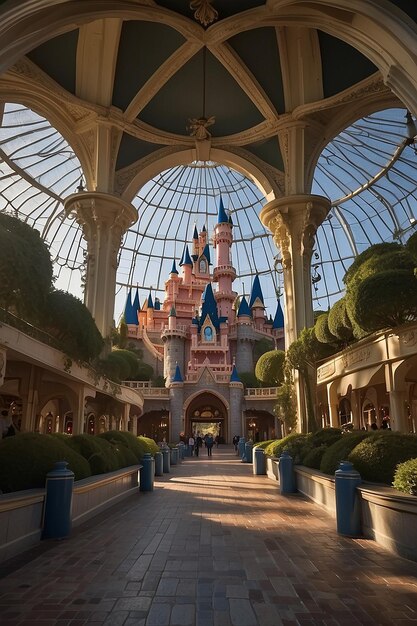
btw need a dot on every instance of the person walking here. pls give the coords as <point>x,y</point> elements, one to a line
<point>209,444</point>
<point>191,444</point>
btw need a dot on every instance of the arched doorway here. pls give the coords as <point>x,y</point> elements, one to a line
<point>207,414</point>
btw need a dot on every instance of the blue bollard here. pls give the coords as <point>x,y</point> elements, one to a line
<point>286,474</point>
<point>159,464</point>
<point>241,447</point>
<point>58,499</point>
<point>248,451</point>
<point>166,455</point>
<point>348,516</point>
<point>259,465</point>
<point>174,456</point>
<point>147,472</point>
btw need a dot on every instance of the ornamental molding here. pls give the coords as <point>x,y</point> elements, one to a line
<point>408,338</point>
<point>356,356</point>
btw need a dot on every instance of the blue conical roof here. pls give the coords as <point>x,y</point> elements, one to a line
<point>177,376</point>
<point>136,307</point>
<point>234,377</point>
<point>186,259</point>
<point>203,230</point>
<point>174,268</point>
<point>222,216</point>
<point>243,308</point>
<point>209,307</point>
<point>279,317</point>
<point>206,253</point>
<point>130,316</point>
<point>157,304</point>
<point>150,303</point>
<point>195,234</point>
<point>256,292</point>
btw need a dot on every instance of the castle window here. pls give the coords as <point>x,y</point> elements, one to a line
<point>203,266</point>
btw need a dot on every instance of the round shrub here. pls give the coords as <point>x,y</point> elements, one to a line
<point>150,443</point>
<point>295,444</point>
<point>339,323</point>
<point>326,436</point>
<point>322,331</point>
<point>405,477</point>
<point>125,457</point>
<point>374,254</point>
<point>377,457</point>
<point>27,458</point>
<point>340,450</point>
<point>314,456</point>
<point>99,453</point>
<point>132,361</point>
<point>134,444</point>
<point>269,368</point>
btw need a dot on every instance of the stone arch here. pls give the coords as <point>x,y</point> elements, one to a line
<point>216,408</point>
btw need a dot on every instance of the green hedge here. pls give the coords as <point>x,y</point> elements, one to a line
<point>377,457</point>
<point>340,451</point>
<point>405,477</point>
<point>100,454</point>
<point>26,459</point>
<point>150,443</point>
<point>264,444</point>
<point>294,444</point>
<point>314,456</point>
<point>117,437</point>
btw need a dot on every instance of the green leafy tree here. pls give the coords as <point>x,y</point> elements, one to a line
<point>132,360</point>
<point>411,246</point>
<point>375,255</point>
<point>385,299</point>
<point>70,322</point>
<point>269,369</point>
<point>25,269</point>
<point>302,355</point>
<point>286,407</point>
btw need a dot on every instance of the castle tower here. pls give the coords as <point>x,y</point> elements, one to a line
<point>224,273</point>
<point>256,304</point>
<point>245,338</point>
<point>236,401</point>
<point>187,266</point>
<point>176,396</point>
<point>174,346</point>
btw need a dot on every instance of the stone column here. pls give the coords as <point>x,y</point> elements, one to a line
<point>125,417</point>
<point>355,405</point>
<point>293,222</point>
<point>176,396</point>
<point>398,414</point>
<point>104,219</point>
<point>236,424</point>
<point>333,402</point>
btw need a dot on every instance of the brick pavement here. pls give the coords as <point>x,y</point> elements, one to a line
<point>213,545</point>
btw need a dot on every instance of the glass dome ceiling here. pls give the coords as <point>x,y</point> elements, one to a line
<point>368,172</point>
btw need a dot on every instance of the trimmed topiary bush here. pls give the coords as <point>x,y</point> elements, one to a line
<point>264,444</point>
<point>340,451</point>
<point>295,444</point>
<point>150,443</point>
<point>405,477</point>
<point>326,436</point>
<point>322,330</point>
<point>269,368</point>
<point>27,458</point>
<point>339,322</point>
<point>377,457</point>
<point>134,444</point>
<point>99,453</point>
<point>314,456</point>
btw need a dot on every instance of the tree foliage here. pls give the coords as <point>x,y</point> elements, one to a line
<point>339,323</point>
<point>269,369</point>
<point>261,346</point>
<point>322,330</point>
<point>25,269</point>
<point>67,319</point>
<point>249,379</point>
<point>286,406</point>
<point>374,254</point>
<point>385,299</point>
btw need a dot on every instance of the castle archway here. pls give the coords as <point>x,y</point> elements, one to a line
<point>207,413</point>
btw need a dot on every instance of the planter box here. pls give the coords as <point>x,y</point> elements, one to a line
<point>21,512</point>
<point>387,516</point>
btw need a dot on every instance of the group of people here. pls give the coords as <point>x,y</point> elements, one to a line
<point>196,443</point>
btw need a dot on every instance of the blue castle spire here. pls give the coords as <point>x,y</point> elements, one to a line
<point>129,313</point>
<point>222,216</point>
<point>150,302</point>
<point>177,375</point>
<point>243,308</point>
<point>209,307</point>
<point>206,253</point>
<point>234,377</point>
<point>279,318</point>
<point>186,259</point>
<point>256,292</point>
<point>195,234</point>
<point>174,268</point>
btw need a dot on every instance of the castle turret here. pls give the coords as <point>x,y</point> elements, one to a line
<point>256,304</point>
<point>187,265</point>
<point>278,327</point>
<point>176,395</point>
<point>224,273</point>
<point>245,338</point>
<point>235,399</point>
<point>174,346</point>
<point>129,314</point>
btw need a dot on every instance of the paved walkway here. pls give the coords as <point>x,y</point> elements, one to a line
<point>213,545</point>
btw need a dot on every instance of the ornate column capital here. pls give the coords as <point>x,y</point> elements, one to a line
<point>293,221</point>
<point>92,209</point>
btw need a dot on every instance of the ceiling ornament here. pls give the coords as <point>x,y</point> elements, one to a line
<point>203,11</point>
<point>197,127</point>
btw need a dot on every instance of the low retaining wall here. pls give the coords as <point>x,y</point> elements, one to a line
<point>387,516</point>
<point>21,512</point>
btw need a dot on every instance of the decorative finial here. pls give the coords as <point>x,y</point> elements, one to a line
<point>203,11</point>
<point>197,127</point>
<point>80,187</point>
